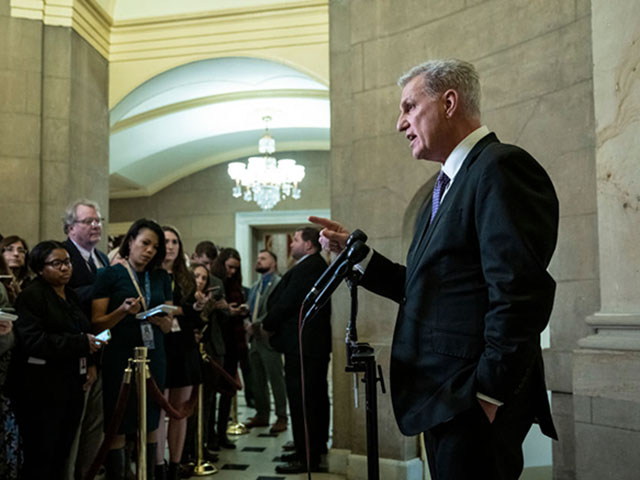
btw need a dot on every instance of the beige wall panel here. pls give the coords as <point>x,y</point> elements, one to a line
<point>606,453</point>
<point>471,34</point>
<point>575,301</point>
<point>564,449</point>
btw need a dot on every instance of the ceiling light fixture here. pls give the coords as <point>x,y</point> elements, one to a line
<point>266,180</point>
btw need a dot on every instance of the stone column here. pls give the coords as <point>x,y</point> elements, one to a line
<point>606,373</point>
<point>20,125</point>
<point>75,126</point>
<point>54,129</point>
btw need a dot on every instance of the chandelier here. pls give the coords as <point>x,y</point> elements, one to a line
<point>266,180</point>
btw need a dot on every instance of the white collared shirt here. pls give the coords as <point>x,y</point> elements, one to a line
<point>454,161</point>
<point>86,254</point>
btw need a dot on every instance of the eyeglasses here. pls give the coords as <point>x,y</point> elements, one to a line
<point>18,250</point>
<point>93,222</point>
<point>57,264</point>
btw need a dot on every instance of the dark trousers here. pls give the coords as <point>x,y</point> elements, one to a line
<point>317,404</point>
<point>48,415</point>
<point>468,446</point>
<point>230,365</point>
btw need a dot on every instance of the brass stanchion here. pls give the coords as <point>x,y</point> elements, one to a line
<point>235,427</point>
<point>202,467</point>
<point>141,361</point>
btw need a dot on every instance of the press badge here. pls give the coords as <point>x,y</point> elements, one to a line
<point>175,326</point>
<point>147,335</point>
<point>83,365</point>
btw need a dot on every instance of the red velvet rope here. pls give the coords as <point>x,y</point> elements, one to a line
<point>178,413</point>
<point>227,385</point>
<point>112,430</point>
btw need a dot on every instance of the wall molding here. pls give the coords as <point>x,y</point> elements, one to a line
<point>86,17</point>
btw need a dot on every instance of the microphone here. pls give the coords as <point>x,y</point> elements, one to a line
<point>354,254</point>
<point>356,235</point>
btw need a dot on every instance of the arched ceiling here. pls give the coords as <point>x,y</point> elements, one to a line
<point>209,112</point>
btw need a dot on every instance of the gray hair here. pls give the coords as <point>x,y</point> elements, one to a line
<point>70,212</point>
<point>441,75</point>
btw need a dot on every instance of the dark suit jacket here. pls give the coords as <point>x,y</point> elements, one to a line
<point>475,294</point>
<point>51,329</point>
<point>82,279</point>
<point>284,309</point>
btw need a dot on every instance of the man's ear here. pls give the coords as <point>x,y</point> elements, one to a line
<point>451,102</point>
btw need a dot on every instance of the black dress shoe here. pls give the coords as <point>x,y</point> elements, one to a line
<point>289,446</point>
<point>226,443</point>
<point>289,457</point>
<point>295,467</point>
<point>210,455</point>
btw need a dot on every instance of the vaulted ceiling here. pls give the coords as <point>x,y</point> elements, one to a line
<point>190,82</point>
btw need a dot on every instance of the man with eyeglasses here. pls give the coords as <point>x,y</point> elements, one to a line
<point>83,226</point>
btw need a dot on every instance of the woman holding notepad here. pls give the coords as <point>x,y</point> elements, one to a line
<point>120,293</point>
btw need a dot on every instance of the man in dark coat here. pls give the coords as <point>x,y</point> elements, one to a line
<point>83,226</point>
<point>466,364</point>
<point>283,320</point>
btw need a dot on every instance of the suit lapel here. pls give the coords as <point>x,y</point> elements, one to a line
<point>422,223</point>
<point>450,199</point>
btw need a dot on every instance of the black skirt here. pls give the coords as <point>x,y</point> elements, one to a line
<point>183,360</point>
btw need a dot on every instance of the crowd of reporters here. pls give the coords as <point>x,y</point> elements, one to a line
<point>60,380</point>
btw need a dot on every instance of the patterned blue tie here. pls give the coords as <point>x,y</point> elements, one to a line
<point>441,184</point>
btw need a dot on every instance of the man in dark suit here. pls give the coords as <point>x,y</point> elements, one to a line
<point>466,364</point>
<point>83,226</point>
<point>283,320</point>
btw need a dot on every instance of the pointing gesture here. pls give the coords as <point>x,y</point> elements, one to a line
<point>332,231</point>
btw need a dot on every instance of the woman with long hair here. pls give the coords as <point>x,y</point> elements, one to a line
<point>15,252</point>
<point>120,292</point>
<point>227,267</point>
<point>183,359</point>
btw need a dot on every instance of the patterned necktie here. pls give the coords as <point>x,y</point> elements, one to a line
<point>441,184</point>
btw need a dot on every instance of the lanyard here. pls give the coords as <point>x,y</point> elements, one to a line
<point>146,298</point>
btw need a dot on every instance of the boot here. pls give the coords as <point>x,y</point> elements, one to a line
<point>114,464</point>
<point>151,460</point>
<point>173,472</point>
<point>160,472</point>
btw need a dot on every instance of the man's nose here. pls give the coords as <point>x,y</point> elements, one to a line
<point>401,124</point>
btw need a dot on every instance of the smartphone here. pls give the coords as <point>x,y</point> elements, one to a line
<point>104,336</point>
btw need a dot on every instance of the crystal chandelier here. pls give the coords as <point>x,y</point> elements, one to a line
<point>266,180</point>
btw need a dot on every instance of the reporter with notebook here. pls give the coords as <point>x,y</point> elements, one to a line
<point>121,291</point>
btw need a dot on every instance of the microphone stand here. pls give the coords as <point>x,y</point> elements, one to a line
<point>361,358</point>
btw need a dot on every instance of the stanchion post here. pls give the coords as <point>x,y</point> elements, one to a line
<point>202,467</point>
<point>140,360</point>
<point>236,427</point>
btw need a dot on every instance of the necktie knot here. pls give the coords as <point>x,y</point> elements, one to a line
<point>441,184</point>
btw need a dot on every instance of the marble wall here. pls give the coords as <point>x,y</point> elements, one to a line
<point>534,59</point>
<point>54,128</point>
<point>606,378</point>
<point>202,208</point>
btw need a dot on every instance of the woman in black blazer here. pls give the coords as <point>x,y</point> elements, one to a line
<point>49,368</point>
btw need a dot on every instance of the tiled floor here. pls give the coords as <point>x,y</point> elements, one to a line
<point>253,459</point>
